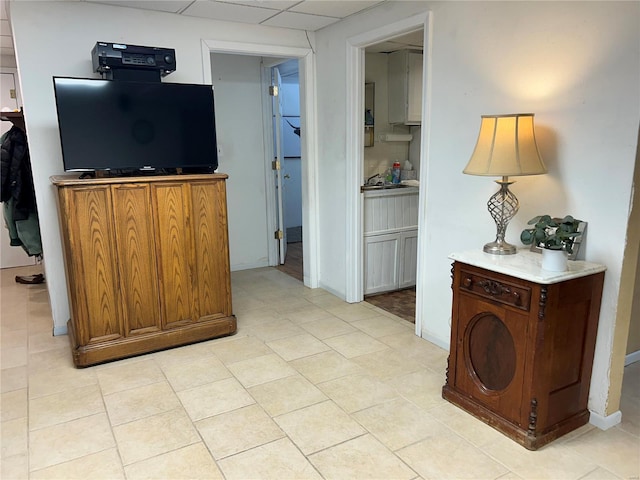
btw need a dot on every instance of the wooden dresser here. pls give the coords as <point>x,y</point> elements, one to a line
<point>147,263</point>
<point>522,343</point>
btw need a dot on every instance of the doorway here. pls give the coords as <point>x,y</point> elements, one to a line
<point>308,144</point>
<point>393,108</point>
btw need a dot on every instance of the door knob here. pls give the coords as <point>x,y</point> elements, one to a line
<point>286,175</point>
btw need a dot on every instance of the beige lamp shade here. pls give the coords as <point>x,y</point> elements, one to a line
<point>506,147</point>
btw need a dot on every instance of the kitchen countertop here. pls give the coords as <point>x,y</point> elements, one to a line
<point>384,192</point>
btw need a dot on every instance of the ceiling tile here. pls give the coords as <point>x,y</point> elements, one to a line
<point>228,11</point>
<point>171,6</point>
<point>338,9</point>
<point>273,4</point>
<point>301,21</point>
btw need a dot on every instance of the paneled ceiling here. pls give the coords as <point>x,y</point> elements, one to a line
<point>310,15</point>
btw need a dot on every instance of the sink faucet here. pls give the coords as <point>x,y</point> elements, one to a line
<point>369,182</point>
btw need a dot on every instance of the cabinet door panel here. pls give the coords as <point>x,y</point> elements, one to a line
<point>211,249</point>
<point>381,263</point>
<point>174,252</point>
<point>92,264</point>
<point>137,267</point>
<point>491,356</point>
<point>408,258</point>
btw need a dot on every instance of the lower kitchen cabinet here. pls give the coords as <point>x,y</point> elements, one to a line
<point>522,344</point>
<point>390,240</point>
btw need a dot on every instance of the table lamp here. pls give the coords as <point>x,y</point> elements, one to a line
<point>506,147</point>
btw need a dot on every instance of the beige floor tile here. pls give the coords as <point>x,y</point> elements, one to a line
<point>325,300</point>
<point>105,464</point>
<point>318,426</point>
<point>237,349</point>
<point>275,329</point>
<point>352,312</point>
<point>326,366</point>
<point>13,379</point>
<point>362,457</point>
<point>379,326</point>
<point>152,436</point>
<point>140,402</point>
<point>310,313</point>
<point>257,370</point>
<point>599,474</point>
<point>13,338</point>
<point>131,373</point>
<point>286,394</point>
<point>49,382</point>
<point>399,423</point>
<point>193,462</point>
<point>195,372</point>
<point>355,344</point>
<point>11,357</point>
<point>214,398</point>
<point>387,364</point>
<point>279,459</point>
<point>68,441</point>
<point>185,353</point>
<point>43,341</point>
<point>418,349</point>
<point>327,327</point>
<point>466,425</point>
<point>630,408</point>
<point>56,358</point>
<point>15,467</point>
<point>422,387</point>
<point>450,457</point>
<point>65,406</point>
<point>13,405</point>
<point>233,432</point>
<point>14,436</point>
<point>615,449</point>
<point>551,462</point>
<point>357,392</point>
<point>299,346</point>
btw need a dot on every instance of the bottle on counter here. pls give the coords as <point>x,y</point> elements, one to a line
<point>395,172</point>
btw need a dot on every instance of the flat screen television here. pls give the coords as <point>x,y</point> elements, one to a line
<point>126,126</point>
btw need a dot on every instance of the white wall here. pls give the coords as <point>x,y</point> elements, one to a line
<point>55,38</point>
<point>238,98</point>
<point>574,64</point>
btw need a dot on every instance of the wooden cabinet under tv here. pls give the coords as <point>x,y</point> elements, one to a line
<point>147,263</point>
<point>522,343</point>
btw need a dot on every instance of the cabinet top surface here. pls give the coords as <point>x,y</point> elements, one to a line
<point>73,180</point>
<point>526,265</point>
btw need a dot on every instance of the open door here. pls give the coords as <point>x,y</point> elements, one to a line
<point>281,233</point>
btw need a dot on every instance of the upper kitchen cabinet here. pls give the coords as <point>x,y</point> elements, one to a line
<point>405,87</point>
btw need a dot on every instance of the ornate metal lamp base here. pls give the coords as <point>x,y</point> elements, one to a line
<point>503,205</point>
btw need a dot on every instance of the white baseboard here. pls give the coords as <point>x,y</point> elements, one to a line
<point>61,330</point>
<point>605,423</point>
<point>632,358</point>
<point>435,340</point>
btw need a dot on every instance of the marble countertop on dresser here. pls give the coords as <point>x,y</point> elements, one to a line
<point>526,265</point>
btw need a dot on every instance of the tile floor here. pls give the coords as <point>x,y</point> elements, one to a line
<point>310,387</point>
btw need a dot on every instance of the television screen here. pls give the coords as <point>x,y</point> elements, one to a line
<point>125,125</point>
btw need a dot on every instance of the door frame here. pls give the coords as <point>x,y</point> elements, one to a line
<point>355,149</point>
<point>309,142</point>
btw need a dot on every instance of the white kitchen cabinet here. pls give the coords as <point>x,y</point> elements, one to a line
<point>390,239</point>
<point>405,87</point>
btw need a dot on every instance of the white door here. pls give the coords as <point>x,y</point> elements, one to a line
<point>9,256</point>
<point>279,164</point>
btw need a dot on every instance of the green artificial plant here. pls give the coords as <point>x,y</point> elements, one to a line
<point>552,233</point>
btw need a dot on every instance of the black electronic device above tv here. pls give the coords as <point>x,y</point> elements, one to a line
<point>126,126</point>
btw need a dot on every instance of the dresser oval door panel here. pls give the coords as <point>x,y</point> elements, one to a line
<point>490,360</point>
<point>136,249</point>
<point>175,254</point>
<point>96,301</point>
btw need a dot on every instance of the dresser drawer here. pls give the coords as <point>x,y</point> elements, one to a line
<point>497,290</point>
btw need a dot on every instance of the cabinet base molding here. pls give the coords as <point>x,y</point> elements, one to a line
<point>529,440</point>
<point>92,354</point>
